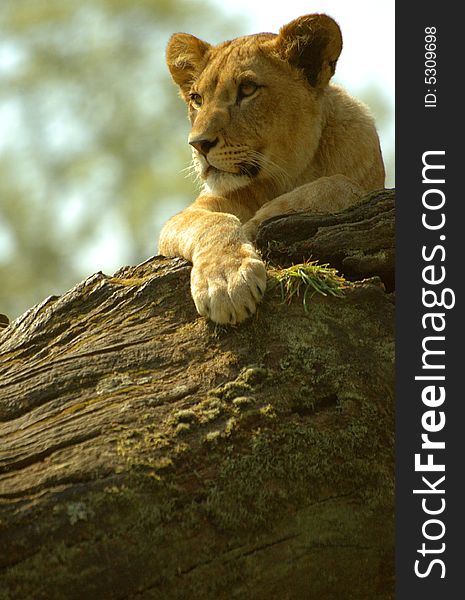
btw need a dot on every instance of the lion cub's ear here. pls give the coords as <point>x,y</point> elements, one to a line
<point>312,43</point>
<point>185,57</point>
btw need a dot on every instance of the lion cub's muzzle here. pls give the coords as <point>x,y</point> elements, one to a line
<point>213,155</point>
<point>203,145</point>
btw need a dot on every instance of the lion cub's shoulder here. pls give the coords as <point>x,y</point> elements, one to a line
<point>349,142</point>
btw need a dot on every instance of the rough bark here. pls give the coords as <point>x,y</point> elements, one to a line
<point>359,241</point>
<point>146,453</point>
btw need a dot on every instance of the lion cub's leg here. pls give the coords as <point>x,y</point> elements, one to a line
<point>326,194</point>
<point>228,278</point>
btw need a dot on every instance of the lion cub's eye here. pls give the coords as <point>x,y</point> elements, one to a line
<point>246,89</point>
<point>196,100</point>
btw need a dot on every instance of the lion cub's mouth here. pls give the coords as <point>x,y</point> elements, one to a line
<point>250,170</point>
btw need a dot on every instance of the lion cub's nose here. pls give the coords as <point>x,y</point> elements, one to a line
<point>203,145</point>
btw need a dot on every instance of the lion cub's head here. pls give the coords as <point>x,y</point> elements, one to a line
<point>254,102</point>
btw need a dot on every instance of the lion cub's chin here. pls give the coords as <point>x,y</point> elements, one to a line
<point>221,182</point>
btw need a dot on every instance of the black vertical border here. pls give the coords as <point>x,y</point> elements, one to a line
<point>420,129</point>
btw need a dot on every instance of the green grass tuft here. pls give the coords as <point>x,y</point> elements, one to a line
<point>307,279</point>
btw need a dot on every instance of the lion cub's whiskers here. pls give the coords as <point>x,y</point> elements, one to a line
<point>276,173</point>
<point>191,172</point>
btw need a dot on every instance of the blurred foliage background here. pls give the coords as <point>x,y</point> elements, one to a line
<point>93,137</point>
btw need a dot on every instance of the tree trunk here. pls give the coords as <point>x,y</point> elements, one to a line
<point>149,454</point>
<point>358,241</point>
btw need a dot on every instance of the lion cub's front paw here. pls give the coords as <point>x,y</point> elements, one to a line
<point>227,287</point>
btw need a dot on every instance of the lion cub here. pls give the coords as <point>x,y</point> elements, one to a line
<point>269,136</point>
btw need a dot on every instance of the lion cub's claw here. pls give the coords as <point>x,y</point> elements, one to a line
<point>228,289</point>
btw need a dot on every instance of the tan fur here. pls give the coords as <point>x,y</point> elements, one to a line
<point>270,135</point>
